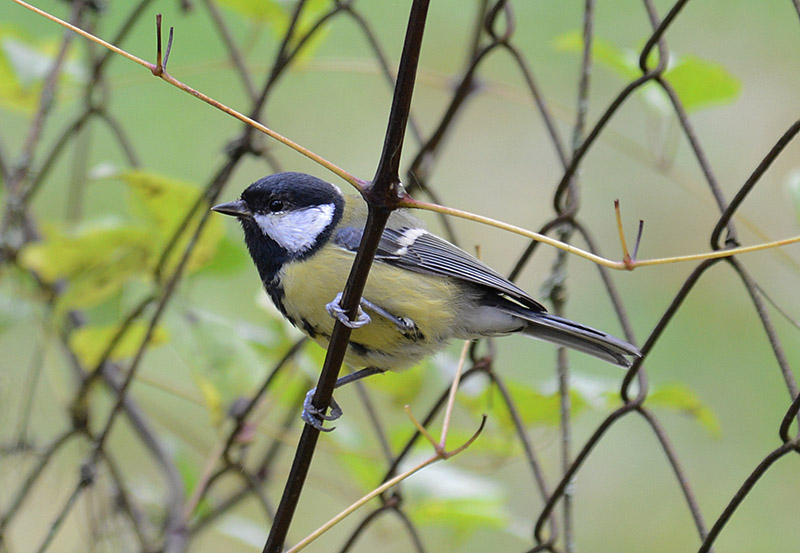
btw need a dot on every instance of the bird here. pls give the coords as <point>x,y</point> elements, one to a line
<point>422,291</point>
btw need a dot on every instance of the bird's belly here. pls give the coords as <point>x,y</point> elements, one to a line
<point>430,302</point>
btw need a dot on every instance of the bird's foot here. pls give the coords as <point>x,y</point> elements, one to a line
<point>335,310</point>
<point>317,417</point>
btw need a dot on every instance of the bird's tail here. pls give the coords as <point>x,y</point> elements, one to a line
<point>557,330</point>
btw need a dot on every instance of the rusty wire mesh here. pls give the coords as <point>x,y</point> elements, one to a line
<point>253,475</point>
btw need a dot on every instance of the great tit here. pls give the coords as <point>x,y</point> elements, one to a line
<point>422,291</point>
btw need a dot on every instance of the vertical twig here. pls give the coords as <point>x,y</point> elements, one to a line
<point>381,197</point>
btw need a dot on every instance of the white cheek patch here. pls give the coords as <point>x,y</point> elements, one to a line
<point>296,231</point>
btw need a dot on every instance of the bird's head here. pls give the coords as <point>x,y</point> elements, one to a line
<point>285,216</point>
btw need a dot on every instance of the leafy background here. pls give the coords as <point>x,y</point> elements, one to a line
<point>104,226</point>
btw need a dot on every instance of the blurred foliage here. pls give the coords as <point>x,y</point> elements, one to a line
<point>277,16</point>
<point>91,342</point>
<point>698,83</point>
<point>684,400</point>
<point>94,261</point>
<point>462,502</point>
<point>214,347</point>
<point>24,64</point>
<point>97,260</point>
<point>163,205</point>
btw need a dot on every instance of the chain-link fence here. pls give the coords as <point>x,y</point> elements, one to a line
<point>84,427</point>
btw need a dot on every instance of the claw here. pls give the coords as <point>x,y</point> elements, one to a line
<point>335,310</point>
<point>405,325</point>
<point>316,417</point>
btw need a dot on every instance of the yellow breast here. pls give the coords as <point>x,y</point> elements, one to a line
<point>428,301</point>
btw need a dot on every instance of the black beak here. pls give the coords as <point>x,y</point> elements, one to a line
<point>236,208</point>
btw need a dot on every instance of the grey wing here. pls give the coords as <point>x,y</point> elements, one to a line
<point>415,249</point>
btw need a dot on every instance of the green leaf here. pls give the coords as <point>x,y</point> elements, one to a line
<point>212,397</point>
<point>24,65</point>
<point>400,388</point>
<point>697,82</point>
<point>70,255</point>
<point>223,365</point>
<point>166,203</point>
<point>498,441</point>
<point>90,342</point>
<point>264,11</point>
<point>700,83</point>
<point>365,470</point>
<point>462,515</point>
<point>190,475</point>
<point>277,15</point>
<point>96,261</point>
<point>623,62</point>
<point>230,258</point>
<point>679,398</point>
<point>538,408</point>
<point>443,494</point>
<point>534,407</point>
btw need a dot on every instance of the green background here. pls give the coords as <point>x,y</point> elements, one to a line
<point>498,162</point>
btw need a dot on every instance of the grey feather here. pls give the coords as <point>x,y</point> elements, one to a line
<point>564,332</point>
<point>405,246</point>
<point>429,254</point>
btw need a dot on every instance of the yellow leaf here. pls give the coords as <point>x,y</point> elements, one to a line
<point>167,202</point>
<point>90,342</point>
<point>211,397</point>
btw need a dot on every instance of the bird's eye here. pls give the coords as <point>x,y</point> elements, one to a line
<point>276,205</point>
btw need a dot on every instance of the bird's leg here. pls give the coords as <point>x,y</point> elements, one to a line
<point>403,324</point>
<point>316,417</point>
<point>335,310</point>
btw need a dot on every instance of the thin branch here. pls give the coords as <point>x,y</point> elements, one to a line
<point>125,502</point>
<point>373,416</point>
<point>441,454</point>
<point>33,476</point>
<point>595,133</point>
<point>382,196</point>
<point>451,399</point>
<point>617,265</point>
<point>86,479</point>
<point>159,72</point>
<point>389,507</point>
<point>29,391</point>
<point>786,423</point>
<point>677,469</point>
<point>700,155</point>
<point>577,462</point>
<point>766,323</point>
<point>745,489</point>
<point>530,455</point>
<point>262,473</point>
<point>660,327</point>
<point>752,180</point>
<point>478,368</point>
<point>411,203</point>
<point>233,50</point>
<point>364,500</point>
<point>242,415</point>
<point>43,109</point>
